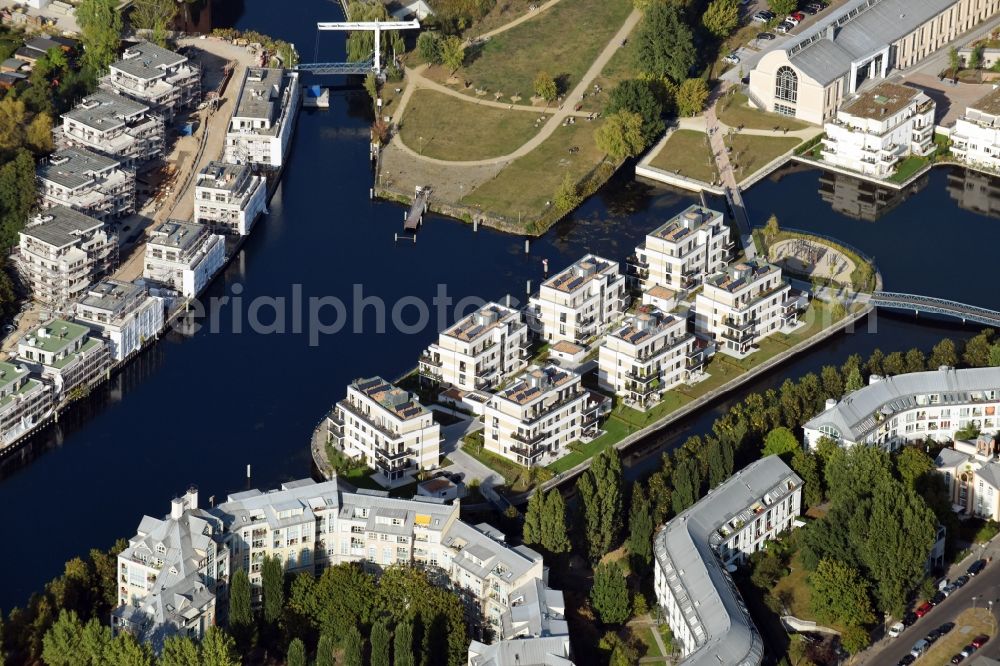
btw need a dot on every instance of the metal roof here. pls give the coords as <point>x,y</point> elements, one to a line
<point>147,61</point>
<point>61,226</point>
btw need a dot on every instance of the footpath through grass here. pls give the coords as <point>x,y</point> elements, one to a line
<point>563,41</point>
<point>688,153</point>
<point>472,131</point>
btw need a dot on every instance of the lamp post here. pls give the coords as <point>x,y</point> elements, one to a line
<point>974,598</point>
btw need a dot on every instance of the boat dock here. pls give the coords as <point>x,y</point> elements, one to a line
<point>415,216</point>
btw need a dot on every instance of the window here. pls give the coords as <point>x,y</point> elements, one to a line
<point>786,84</point>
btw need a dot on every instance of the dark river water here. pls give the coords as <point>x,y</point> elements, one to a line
<point>199,408</point>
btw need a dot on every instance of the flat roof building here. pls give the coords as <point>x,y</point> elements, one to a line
<point>183,256</point>
<point>123,313</point>
<point>229,197</point>
<point>679,254</point>
<point>260,129</point>
<point>65,354</point>
<point>115,126</point>
<point>25,402</point>
<point>158,77</point>
<point>975,139</point>
<point>579,302</point>
<point>86,181</point>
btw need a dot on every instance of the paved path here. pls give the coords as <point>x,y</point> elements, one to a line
<point>516,22</point>
<point>418,80</point>
<point>728,175</point>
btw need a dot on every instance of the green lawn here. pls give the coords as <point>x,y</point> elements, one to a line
<point>751,153</point>
<point>472,131</point>
<point>620,67</point>
<point>908,167</point>
<point>563,41</point>
<point>518,477</point>
<point>525,186</point>
<point>734,110</point>
<point>687,152</point>
<point>645,636</point>
<point>614,431</point>
<point>969,624</point>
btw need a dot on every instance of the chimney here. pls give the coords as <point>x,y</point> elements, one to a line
<point>830,404</point>
<point>191,497</point>
<point>176,508</point>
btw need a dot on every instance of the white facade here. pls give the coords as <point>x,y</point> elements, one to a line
<point>532,421</point>
<point>971,472</point>
<point>744,304</point>
<point>162,79</point>
<point>975,139</point>
<point>183,256</point>
<point>123,313</point>
<point>229,197</point>
<point>24,402</point>
<point>65,355</point>
<point>876,130</point>
<point>709,620</point>
<point>115,126</point>
<point>578,303</point>
<point>480,351</point>
<point>681,253</point>
<point>260,129</point>
<point>387,428</point>
<point>88,182</point>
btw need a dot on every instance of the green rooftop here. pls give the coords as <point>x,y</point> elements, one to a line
<point>27,387</point>
<point>69,358</point>
<point>9,374</point>
<point>55,336</point>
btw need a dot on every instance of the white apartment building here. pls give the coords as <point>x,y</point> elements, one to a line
<point>171,573</point>
<point>229,197</point>
<point>123,313</point>
<point>115,126</point>
<point>60,253</point>
<point>65,354</point>
<point>744,304</point>
<point>88,182</point>
<point>971,473</point>
<point>387,428</point>
<point>532,421</point>
<point>646,357</point>
<point>692,553</point>
<point>877,129</point>
<point>163,80</point>
<point>679,254</point>
<point>975,138</point>
<point>911,407</point>
<point>24,402</point>
<point>480,351</point>
<point>260,129</point>
<point>578,303</point>
<point>183,256</point>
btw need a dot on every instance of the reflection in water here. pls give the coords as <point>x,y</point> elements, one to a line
<point>975,191</point>
<point>861,199</point>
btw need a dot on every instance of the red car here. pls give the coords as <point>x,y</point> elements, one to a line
<point>980,641</point>
<point>923,609</point>
<point>798,16</point>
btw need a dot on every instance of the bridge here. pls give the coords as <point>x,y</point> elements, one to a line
<point>374,64</point>
<point>940,306</point>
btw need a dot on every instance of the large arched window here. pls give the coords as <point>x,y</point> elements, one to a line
<point>786,84</point>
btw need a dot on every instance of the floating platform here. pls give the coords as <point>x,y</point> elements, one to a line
<point>316,97</point>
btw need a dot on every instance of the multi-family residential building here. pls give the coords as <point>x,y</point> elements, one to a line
<point>971,472</point>
<point>544,651</point>
<point>533,421</point>
<point>60,253</point>
<point>163,80</point>
<point>744,304</point>
<point>114,126</point>
<point>694,551</point>
<point>480,351</point>
<point>911,407</point>
<point>229,197</point>
<point>533,630</point>
<point>578,303</point>
<point>387,428</point>
<point>24,402</point>
<point>874,131</point>
<point>975,138</point>
<point>88,182</point>
<point>65,354</point>
<point>679,254</point>
<point>260,129</point>
<point>123,313</point>
<point>172,573</point>
<point>183,256</point>
<point>807,75</point>
<point>647,356</point>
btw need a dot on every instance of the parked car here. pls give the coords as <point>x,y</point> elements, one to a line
<point>763,16</point>
<point>798,16</point>
<point>733,58</point>
<point>906,660</point>
<point>923,609</point>
<point>980,641</point>
<point>792,20</point>
<point>765,36</point>
<point>919,648</point>
<point>948,590</point>
<point>896,629</point>
<point>946,628</point>
<point>784,27</point>
<point>937,598</point>
<point>969,650</point>
<point>808,10</point>
<point>932,637</point>
<point>818,6</point>
<point>960,581</point>
<point>958,658</point>
<point>908,619</point>
<point>976,567</point>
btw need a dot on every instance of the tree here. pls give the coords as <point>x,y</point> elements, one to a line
<point>218,648</point>
<point>545,86</point>
<point>719,453</point>
<point>609,595</point>
<point>855,639</point>
<point>452,52</point>
<point>833,384</point>
<point>179,650</point>
<point>241,622</point>
<point>659,494</point>
<point>691,97</point>
<point>977,349</point>
<point>839,594</point>
<point>61,645</point>
<point>624,653</point>
<point>621,135</point>
<point>39,134</point>
<point>781,442</point>
<point>567,197</point>
<point>806,465</point>
<point>664,43</point>
<point>782,7</point>
<point>402,645</point>
<point>943,353</point>
<point>637,96</point>
<point>915,361</point>
<point>895,364</point>
<point>101,29</point>
<point>324,651</point>
<point>125,650</point>
<point>995,355</point>
<point>721,17</point>
<point>954,61</point>
<point>273,586</point>
<point>854,381</point>
<point>296,655</point>
<point>361,43</point>
<point>12,124</point>
<point>600,488</point>
<point>913,465</point>
<point>640,529</point>
<point>555,538</point>
<point>771,229</point>
<point>976,57</point>
<point>532,534</point>
<point>429,47</point>
<point>686,481</point>
<point>156,16</point>
<point>354,647</point>
<point>381,643</point>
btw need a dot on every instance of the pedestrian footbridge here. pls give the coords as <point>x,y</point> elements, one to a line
<point>939,306</point>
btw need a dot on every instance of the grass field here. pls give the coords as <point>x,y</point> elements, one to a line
<point>564,41</point>
<point>687,152</point>
<point>734,110</point>
<point>969,624</point>
<point>473,132</point>
<point>620,67</point>
<point>908,167</point>
<point>527,184</point>
<point>751,153</point>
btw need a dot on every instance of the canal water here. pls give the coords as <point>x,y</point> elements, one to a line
<point>199,408</point>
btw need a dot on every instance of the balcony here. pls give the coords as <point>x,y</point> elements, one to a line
<point>529,440</point>
<point>527,455</point>
<point>741,338</point>
<point>427,359</point>
<point>644,378</point>
<point>356,411</point>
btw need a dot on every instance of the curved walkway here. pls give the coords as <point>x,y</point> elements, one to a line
<point>507,26</point>
<point>418,80</point>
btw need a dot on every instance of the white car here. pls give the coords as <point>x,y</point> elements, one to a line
<point>784,27</point>
<point>733,58</point>
<point>792,20</point>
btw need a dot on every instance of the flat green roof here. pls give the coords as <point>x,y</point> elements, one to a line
<point>27,387</point>
<point>9,373</point>
<point>69,358</point>
<point>60,334</point>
